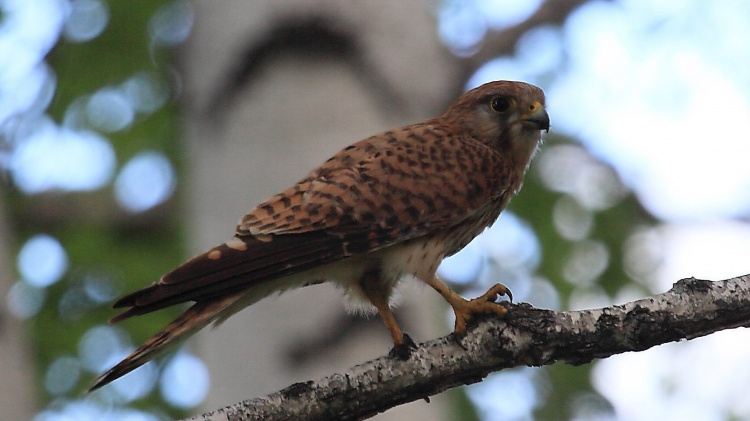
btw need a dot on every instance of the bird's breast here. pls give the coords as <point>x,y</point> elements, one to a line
<point>419,258</point>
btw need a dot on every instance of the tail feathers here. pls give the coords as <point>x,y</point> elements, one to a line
<point>241,264</point>
<point>185,325</point>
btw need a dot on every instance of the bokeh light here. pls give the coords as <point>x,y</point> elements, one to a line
<point>24,300</point>
<point>146,91</point>
<point>509,247</point>
<point>41,156</point>
<point>86,20</point>
<point>185,381</point>
<point>465,266</point>
<point>101,286</point>
<point>55,158</point>
<point>588,259</point>
<point>98,344</point>
<point>656,385</point>
<point>570,169</point>
<point>109,110</point>
<point>62,375</point>
<point>512,242</point>
<point>42,261</point>
<point>90,410</point>
<point>136,384</point>
<point>462,25</point>
<point>540,52</point>
<point>543,294</point>
<point>663,88</point>
<point>171,24</point>
<point>509,395</point>
<point>74,304</point>
<point>572,221</point>
<point>28,30</point>
<point>145,181</point>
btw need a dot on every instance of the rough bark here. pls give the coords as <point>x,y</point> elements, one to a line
<point>526,336</point>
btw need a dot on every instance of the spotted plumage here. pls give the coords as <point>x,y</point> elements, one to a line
<point>387,207</point>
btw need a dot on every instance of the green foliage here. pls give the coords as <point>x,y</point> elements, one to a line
<point>99,237</point>
<point>611,226</point>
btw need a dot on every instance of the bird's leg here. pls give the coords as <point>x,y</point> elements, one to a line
<point>390,321</point>
<point>402,343</point>
<point>372,287</point>
<point>465,309</point>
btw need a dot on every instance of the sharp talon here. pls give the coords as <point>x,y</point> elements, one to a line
<point>403,350</point>
<point>466,309</point>
<point>409,341</point>
<point>497,291</point>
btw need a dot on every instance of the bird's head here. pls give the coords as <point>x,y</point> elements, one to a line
<point>508,116</point>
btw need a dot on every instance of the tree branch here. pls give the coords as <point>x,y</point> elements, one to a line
<point>503,42</point>
<point>525,336</point>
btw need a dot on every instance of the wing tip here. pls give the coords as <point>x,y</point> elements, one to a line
<point>101,381</point>
<point>122,316</point>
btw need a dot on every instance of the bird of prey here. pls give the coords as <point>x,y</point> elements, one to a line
<point>388,207</point>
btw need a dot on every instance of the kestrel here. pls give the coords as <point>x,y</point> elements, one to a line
<point>388,207</point>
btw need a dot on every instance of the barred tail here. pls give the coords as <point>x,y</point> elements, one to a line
<point>185,325</point>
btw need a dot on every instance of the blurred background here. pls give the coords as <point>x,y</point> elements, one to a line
<point>134,134</point>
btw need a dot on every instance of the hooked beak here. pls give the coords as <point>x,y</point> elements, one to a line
<point>537,118</point>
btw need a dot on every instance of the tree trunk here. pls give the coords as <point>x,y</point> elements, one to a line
<point>274,89</point>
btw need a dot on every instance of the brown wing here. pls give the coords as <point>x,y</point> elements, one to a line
<point>231,267</point>
<point>395,186</point>
<point>386,189</point>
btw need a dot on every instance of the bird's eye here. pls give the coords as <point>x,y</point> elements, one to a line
<point>500,104</point>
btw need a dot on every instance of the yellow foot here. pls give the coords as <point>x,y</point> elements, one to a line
<point>465,309</point>
<point>484,304</point>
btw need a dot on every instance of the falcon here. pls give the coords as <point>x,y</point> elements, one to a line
<point>388,207</point>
